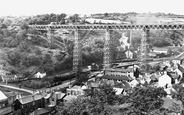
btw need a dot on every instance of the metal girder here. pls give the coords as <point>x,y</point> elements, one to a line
<point>77,57</point>
<point>144,48</point>
<point>111,27</point>
<point>50,34</point>
<point>107,51</point>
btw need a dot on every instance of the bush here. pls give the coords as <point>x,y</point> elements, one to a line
<point>147,99</point>
<point>35,84</point>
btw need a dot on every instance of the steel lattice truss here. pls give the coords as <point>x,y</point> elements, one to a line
<point>110,27</point>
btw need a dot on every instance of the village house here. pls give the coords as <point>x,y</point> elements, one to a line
<point>178,59</point>
<point>39,75</point>
<point>174,77</point>
<point>73,93</point>
<point>28,104</point>
<point>164,80</point>
<point>167,63</point>
<point>46,97</point>
<point>160,50</point>
<point>118,74</point>
<point>75,90</point>
<point>181,69</point>
<point>11,97</point>
<point>6,101</point>
<point>121,72</point>
<point>56,97</point>
<point>121,87</point>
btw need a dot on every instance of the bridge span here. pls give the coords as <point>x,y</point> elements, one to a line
<point>110,27</point>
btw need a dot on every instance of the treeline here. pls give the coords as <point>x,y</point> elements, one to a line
<point>26,51</point>
<point>57,18</point>
<point>141,100</point>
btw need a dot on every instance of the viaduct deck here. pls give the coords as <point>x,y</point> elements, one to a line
<point>110,27</point>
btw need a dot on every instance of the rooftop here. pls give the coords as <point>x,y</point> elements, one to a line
<point>126,78</point>
<point>2,96</point>
<point>181,56</point>
<point>30,98</point>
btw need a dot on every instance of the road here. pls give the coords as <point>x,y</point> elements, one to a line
<point>17,88</point>
<point>63,85</point>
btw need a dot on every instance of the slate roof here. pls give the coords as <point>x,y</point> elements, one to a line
<point>30,98</point>
<point>180,56</point>
<point>181,69</point>
<point>76,87</point>
<point>174,76</point>
<point>2,96</point>
<point>47,96</point>
<point>25,100</point>
<point>60,95</point>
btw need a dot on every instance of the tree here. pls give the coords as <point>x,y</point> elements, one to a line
<point>14,58</point>
<point>106,14</point>
<point>98,103</point>
<point>74,18</point>
<point>180,95</point>
<point>176,37</point>
<point>3,26</point>
<point>146,99</point>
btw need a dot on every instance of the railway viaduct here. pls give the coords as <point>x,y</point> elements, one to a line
<point>77,59</point>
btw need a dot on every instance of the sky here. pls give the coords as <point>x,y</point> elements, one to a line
<point>34,7</point>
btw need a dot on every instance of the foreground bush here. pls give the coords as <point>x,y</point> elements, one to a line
<point>103,101</point>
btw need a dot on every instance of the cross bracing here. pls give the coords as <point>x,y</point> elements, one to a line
<point>111,27</point>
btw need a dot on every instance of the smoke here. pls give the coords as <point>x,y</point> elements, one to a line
<point>146,18</point>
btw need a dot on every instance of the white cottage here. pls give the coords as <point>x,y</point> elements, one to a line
<point>164,80</point>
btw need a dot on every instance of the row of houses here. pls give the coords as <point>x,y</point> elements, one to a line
<point>44,102</point>
<point>29,105</point>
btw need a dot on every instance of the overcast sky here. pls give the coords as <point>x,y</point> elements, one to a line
<point>34,7</point>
